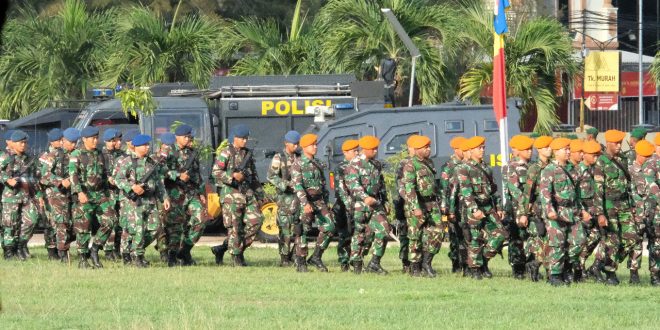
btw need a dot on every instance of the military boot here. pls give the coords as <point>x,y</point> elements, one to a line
<point>519,272</point>
<point>26,251</point>
<point>185,256</point>
<point>52,254</point>
<point>8,252</point>
<point>110,255</point>
<point>20,252</point>
<point>301,264</point>
<point>284,261</point>
<point>171,258</point>
<point>242,257</point>
<point>455,266</point>
<point>140,262</point>
<point>164,255</point>
<point>476,273</point>
<point>611,278</point>
<point>357,267</point>
<point>236,260</point>
<point>466,271</point>
<point>533,270</point>
<point>219,253</point>
<point>316,259</point>
<point>405,266</point>
<point>427,268</point>
<point>556,280</point>
<point>577,273</point>
<point>83,263</point>
<point>345,268</point>
<point>126,257</point>
<point>485,270</point>
<point>634,277</point>
<point>416,269</point>
<point>595,271</point>
<point>64,256</point>
<point>375,267</point>
<point>567,275</point>
<point>655,279</point>
<point>94,253</point>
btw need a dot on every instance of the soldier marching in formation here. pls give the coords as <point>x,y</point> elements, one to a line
<point>576,199</point>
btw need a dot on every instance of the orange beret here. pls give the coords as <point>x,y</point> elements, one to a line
<point>644,148</point>
<point>369,142</point>
<point>576,145</point>
<point>657,139</point>
<point>456,142</point>
<point>473,142</point>
<point>614,136</point>
<point>560,143</point>
<point>410,139</point>
<point>307,140</point>
<point>521,142</point>
<point>591,147</point>
<point>542,142</point>
<point>420,141</point>
<point>349,145</point>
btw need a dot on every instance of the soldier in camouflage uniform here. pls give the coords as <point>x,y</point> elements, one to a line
<point>364,177</point>
<point>47,159</point>
<point>456,207</point>
<point>169,236</point>
<point>122,214</point>
<point>642,186</point>
<point>612,201</point>
<point>534,245</point>
<point>399,209</point>
<point>185,187</point>
<point>139,180</point>
<point>344,203</point>
<point>3,154</point>
<point>20,197</point>
<point>457,250</point>
<point>586,190</point>
<point>288,208</point>
<point>89,179</point>
<point>310,187</point>
<point>559,206</point>
<point>652,171</point>
<point>637,134</point>
<point>483,228</point>
<point>422,206</point>
<point>241,194</point>
<point>515,178</point>
<point>111,152</point>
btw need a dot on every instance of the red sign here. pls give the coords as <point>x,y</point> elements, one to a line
<point>601,101</point>
<point>629,85</point>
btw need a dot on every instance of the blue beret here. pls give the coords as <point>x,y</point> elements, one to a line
<point>89,131</point>
<point>183,130</point>
<point>109,134</point>
<point>71,134</point>
<point>18,136</point>
<point>9,133</point>
<point>130,134</point>
<point>54,134</point>
<point>292,137</point>
<point>140,140</point>
<point>167,138</point>
<point>240,131</point>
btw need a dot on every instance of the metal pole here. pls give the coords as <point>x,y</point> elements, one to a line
<point>412,81</point>
<point>584,49</point>
<point>641,68</point>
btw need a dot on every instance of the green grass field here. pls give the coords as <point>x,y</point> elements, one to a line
<point>39,294</point>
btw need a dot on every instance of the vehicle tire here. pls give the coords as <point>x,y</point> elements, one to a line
<point>269,230</point>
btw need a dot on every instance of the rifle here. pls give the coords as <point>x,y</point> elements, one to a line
<point>132,195</point>
<point>187,166</point>
<point>19,176</point>
<point>242,167</point>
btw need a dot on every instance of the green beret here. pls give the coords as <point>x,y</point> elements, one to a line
<point>534,135</point>
<point>571,137</point>
<point>592,131</point>
<point>639,133</point>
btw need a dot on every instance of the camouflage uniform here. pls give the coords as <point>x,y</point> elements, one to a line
<point>55,169</point>
<point>288,207</point>
<point>559,196</point>
<point>479,192</point>
<point>515,178</point>
<point>88,174</point>
<point>534,246</point>
<point>48,221</point>
<point>641,187</point>
<point>110,158</point>
<point>19,205</point>
<point>630,156</point>
<point>310,187</point>
<point>142,212</point>
<point>365,179</point>
<point>343,207</point>
<point>122,214</point>
<point>164,244</point>
<point>401,217</point>
<point>240,200</point>
<point>457,248</point>
<point>651,170</point>
<point>586,193</point>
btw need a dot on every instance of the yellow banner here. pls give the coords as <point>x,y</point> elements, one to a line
<point>601,72</point>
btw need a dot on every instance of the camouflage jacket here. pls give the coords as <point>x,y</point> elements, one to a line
<point>557,189</point>
<point>572,170</point>
<point>454,199</point>
<point>308,180</point>
<point>88,174</point>
<point>341,187</point>
<point>477,187</point>
<point>54,165</point>
<point>644,189</point>
<point>11,165</point>
<point>132,170</point>
<point>448,179</point>
<point>175,163</point>
<point>630,155</point>
<point>612,181</point>
<point>515,178</point>
<point>532,196</point>
<point>419,183</point>
<point>586,187</point>
<point>653,165</point>
<point>227,161</point>
<point>110,158</point>
<point>279,173</point>
<point>365,178</point>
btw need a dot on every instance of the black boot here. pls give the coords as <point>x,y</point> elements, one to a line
<point>577,273</point>
<point>596,271</point>
<point>83,263</point>
<point>219,253</point>
<point>533,270</point>
<point>476,273</point>
<point>455,266</point>
<point>357,267</point>
<point>284,260</point>
<point>94,254</point>
<point>301,264</point>
<point>611,278</point>
<point>126,257</point>
<point>416,269</point>
<point>345,268</point>
<point>316,259</point>
<point>242,257</point>
<point>185,256</point>
<point>9,252</point>
<point>164,256</point>
<point>52,254</point>
<point>466,270</point>
<point>519,272</point>
<point>64,256</point>
<point>26,251</point>
<point>427,268</point>
<point>20,252</point>
<point>110,255</point>
<point>567,275</point>
<point>171,259</point>
<point>485,270</point>
<point>556,280</point>
<point>236,260</point>
<point>375,267</point>
<point>140,262</point>
<point>405,263</point>
<point>655,279</point>
<point>634,277</point>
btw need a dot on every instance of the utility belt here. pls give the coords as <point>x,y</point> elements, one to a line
<point>484,202</point>
<point>314,195</point>
<point>566,203</point>
<point>617,196</point>
<point>427,199</point>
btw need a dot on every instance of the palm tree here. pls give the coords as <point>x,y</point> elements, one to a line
<point>50,58</point>
<point>655,68</point>
<point>355,37</point>
<point>536,52</point>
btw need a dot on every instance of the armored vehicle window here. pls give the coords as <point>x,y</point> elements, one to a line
<point>453,126</point>
<point>163,122</point>
<point>112,118</point>
<point>491,126</point>
<point>336,151</point>
<point>397,142</point>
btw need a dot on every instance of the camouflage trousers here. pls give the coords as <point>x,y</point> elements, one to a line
<point>84,214</point>
<point>59,214</point>
<point>125,240</point>
<point>188,207</point>
<point>424,233</point>
<point>143,223</point>
<point>242,218</point>
<point>370,226</point>
<point>630,246</point>
<point>592,239</point>
<point>169,236</point>
<point>344,235</point>
<point>50,235</point>
<point>534,245</point>
<point>556,251</point>
<point>619,225</point>
<point>288,211</point>
<point>115,232</point>
<point>325,222</point>
<point>18,222</point>
<point>653,246</point>
<point>517,238</point>
<point>486,238</point>
<point>404,240</point>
